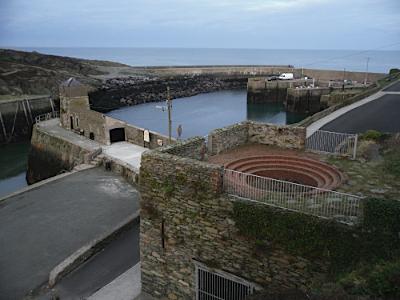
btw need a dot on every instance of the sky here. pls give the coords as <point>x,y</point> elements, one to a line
<point>259,24</point>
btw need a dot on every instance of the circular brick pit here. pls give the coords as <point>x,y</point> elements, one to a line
<point>296,169</point>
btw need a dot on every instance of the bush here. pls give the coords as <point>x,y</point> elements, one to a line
<point>392,163</point>
<point>373,135</point>
<point>351,252</point>
<point>380,280</point>
<point>394,71</point>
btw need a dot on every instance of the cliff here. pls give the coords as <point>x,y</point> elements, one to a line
<point>38,74</point>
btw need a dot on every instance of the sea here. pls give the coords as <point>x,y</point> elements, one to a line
<point>351,60</point>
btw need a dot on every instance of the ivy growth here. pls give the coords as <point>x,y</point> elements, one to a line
<point>343,247</point>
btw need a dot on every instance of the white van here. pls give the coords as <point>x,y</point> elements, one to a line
<point>285,76</point>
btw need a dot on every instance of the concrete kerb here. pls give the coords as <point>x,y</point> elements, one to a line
<point>37,185</point>
<point>90,249</point>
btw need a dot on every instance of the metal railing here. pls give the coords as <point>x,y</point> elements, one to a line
<point>218,285</point>
<point>311,200</point>
<point>344,144</point>
<point>46,117</point>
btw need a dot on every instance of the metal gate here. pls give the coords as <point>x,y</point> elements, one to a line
<point>344,144</point>
<point>218,285</point>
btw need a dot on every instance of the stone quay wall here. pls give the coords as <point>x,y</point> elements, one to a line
<point>186,218</point>
<point>18,116</point>
<point>307,100</point>
<point>236,135</point>
<point>50,155</point>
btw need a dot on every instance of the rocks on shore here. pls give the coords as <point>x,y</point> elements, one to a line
<point>118,92</point>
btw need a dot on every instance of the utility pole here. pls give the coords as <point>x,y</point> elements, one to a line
<point>366,73</point>
<point>344,71</point>
<point>169,107</point>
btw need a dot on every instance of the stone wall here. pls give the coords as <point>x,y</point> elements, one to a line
<point>226,138</point>
<point>338,75</point>
<point>185,217</point>
<point>192,148</point>
<point>50,155</point>
<point>233,136</point>
<point>275,135</point>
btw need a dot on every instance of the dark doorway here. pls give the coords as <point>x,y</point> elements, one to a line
<point>72,122</point>
<point>117,135</point>
<point>91,136</point>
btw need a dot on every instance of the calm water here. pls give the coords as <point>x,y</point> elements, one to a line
<point>202,113</point>
<point>13,160</point>
<point>380,61</point>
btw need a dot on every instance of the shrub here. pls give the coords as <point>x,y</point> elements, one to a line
<point>380,280</point>
<point>392,162</point>
<point>394,71</point>
<point>373,135</point>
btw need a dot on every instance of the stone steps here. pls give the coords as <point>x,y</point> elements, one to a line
<point>295,169</point>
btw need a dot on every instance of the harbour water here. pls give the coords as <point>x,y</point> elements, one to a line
<point>13,160</point>
<point>202,113</point>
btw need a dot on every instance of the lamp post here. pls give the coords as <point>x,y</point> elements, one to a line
<point>169,109</point>
<point>366,73</point>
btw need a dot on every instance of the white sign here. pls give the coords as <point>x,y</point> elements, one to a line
<point>146,136</point>
<point>159,142</point>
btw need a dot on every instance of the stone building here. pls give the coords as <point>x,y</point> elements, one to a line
<point>76,115</point>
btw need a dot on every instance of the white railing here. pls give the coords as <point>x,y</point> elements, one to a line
<point>46,117</point>
<point>344,144</point>
<point>324,203</point>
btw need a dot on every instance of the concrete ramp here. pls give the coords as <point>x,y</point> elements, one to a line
<point>42,226</point>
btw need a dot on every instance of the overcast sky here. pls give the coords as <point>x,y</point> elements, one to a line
<point>268,24</point>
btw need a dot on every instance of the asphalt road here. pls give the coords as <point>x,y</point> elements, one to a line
<point>117,257</point>
<point>393,88</point>
<point>42,227</point>
<point>382,114</point>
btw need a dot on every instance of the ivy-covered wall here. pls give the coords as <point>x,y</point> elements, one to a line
<point>372,246</point>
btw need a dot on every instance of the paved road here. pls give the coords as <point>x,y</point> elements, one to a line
<point>382,114</point>
<point>117,257</point>
<point>393,88</point>
<point>41,227</point>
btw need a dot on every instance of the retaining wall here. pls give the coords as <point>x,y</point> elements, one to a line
<point>185,217</point>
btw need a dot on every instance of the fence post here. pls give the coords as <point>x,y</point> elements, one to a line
<point>355,146</point>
